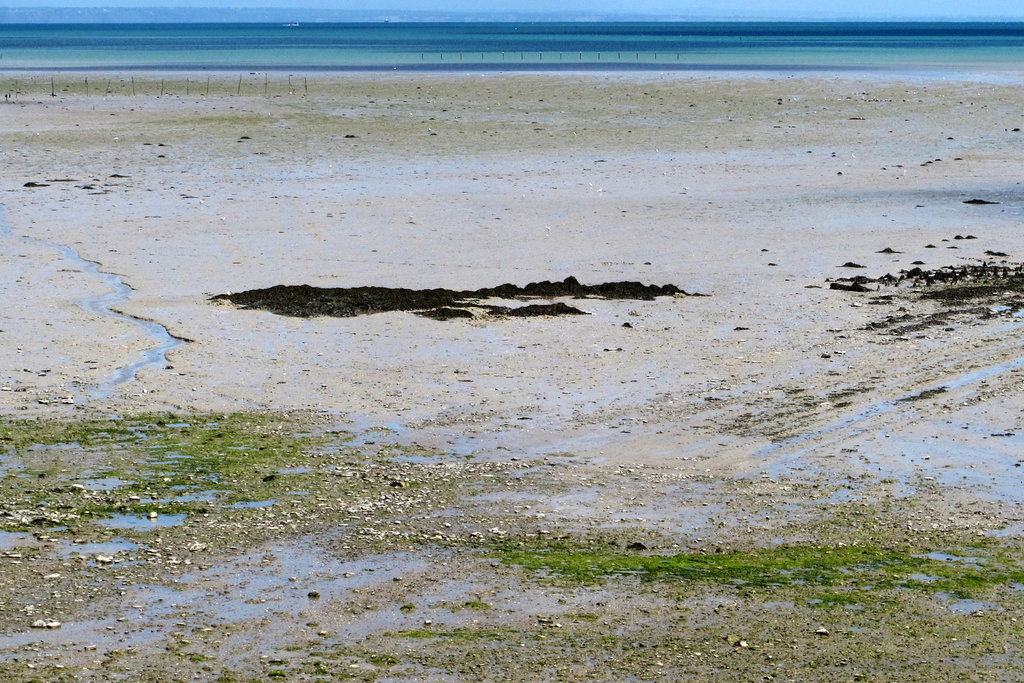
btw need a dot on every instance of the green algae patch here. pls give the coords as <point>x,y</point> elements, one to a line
<point>847,570</point>
<point>60,472</point>
<point>162,449</point>
<point>457,634</point>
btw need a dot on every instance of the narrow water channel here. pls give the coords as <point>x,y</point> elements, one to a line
<point>101,305</point>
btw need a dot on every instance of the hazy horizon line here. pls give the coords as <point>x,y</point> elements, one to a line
<point>181,14</point>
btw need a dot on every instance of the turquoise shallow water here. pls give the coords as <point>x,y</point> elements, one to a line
<point>511,46</point>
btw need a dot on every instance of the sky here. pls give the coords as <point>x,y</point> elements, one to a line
<point>751,8</point>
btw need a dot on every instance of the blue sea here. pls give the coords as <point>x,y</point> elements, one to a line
<point>775,46</point>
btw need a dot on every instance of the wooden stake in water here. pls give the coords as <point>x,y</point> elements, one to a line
<point>133,86</point>
<point>87,87</point>
<point>239,84</point>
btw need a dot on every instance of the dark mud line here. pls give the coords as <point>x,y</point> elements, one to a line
<point>306,301</point>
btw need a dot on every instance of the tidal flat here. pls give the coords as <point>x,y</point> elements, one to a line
<point>781,479</point>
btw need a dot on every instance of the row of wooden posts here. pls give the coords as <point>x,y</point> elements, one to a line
<point>198,87</point>
<point>562,57</point>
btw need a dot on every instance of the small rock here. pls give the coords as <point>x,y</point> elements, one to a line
<point>313,595</point>
<point>46,623</point>
<point>822,631</point>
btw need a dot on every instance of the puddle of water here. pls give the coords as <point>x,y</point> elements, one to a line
<point>118,545</point>
<point>416,459</point>
<point>247,504</point>
<point>8,468</point>
<point>946,557</point>
<point>297,470</point>
<point>200,497</point>
<point>367,434</point>
<point>964,606</point>
<point>141,523</point>
<point>104,484</point>
<point>9,540</point>
<point>287,574</point>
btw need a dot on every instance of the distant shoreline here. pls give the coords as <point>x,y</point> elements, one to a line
<point>758,47</point>
<point>198,15</point>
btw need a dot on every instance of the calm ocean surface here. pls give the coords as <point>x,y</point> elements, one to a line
<point>510,46</point>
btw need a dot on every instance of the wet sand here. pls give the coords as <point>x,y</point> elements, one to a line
<point>754,191</point>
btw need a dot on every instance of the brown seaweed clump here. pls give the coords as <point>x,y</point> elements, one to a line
<point>306,301</point>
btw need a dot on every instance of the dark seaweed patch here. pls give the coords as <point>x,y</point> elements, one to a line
<point>442,304</point>
<point>557,308</point>
<point>964,293</point>
<point>445,313</point>
<point>982,290</point>
<point>927,393</point>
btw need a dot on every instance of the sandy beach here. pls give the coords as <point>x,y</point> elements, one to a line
<point>773,412</point>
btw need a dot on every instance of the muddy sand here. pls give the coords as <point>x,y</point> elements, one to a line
<point>810,473</point>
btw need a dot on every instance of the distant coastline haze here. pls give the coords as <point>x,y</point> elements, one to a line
<point>70,11</point>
